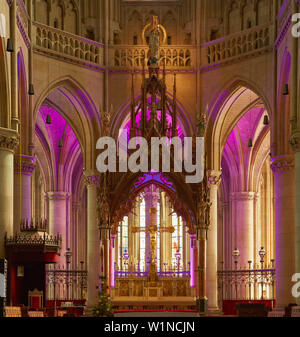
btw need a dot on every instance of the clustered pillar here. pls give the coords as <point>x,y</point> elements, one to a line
<point>8,144</point>
<point>93,248</point>
<point>283,168</point>
<point>58,219</point>
<point>24,167</point>
<point>212,243</point>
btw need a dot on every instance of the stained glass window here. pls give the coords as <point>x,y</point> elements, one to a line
<point>122,241</point>
<point>177,242</point>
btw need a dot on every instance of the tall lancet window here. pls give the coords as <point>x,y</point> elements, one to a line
<point>123,242</point>
<point>142,235</point>
<point>158,238</point>
<point>177,242</point>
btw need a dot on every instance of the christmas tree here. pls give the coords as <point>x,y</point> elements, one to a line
<point>104,306</point>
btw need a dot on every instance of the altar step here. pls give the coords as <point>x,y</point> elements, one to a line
<point>181,314</point>
<point>154,304</point>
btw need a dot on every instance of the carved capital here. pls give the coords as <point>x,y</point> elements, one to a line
<point>8,139</point>
<point>295,142</point>
<point>57,196</point>
<point>214,178</point>
<point>282,164</point>
<point>24,165</point>
<point>93,180</point>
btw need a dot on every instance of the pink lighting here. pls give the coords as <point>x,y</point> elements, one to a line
<point>139,115</point>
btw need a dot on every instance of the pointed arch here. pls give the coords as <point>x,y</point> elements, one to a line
<point>227,108</point>
<point>4,87</point>
<point>76,106</point>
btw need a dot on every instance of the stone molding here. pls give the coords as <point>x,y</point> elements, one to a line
<point>9,140</point>
<point>243,196</point>
<point>56,196</point>
<point>283,164</point>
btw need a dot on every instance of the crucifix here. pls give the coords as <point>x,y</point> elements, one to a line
<point>152,230</point>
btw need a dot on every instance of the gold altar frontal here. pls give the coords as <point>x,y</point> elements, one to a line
<point>167,293</point>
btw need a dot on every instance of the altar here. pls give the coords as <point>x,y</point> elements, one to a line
<point>169,293</point>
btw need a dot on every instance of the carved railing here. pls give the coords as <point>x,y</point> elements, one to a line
<point>251,41</point>
<point>134,56</point>
<point>67,46</point>
<point>65,285</point>
<point>45,240</point>
<point>139,287</point>
<point>250,284</point>
<point>136,273</point>
<point>33,226</point>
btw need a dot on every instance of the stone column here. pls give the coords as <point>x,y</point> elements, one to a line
<point>193,260</point>
<point>106,257</point>
<point>283,168</point>
<point>112,260</point>
<point>202,261</point>
<point>93,246</point>
<point>58,219</point>
<point>75,234</point>
<point>8,144</point>
<point>295,142</point>
<point>214,181</point>
<point>24,167</point>
<point>244,219</point>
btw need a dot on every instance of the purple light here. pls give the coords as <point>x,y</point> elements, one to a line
<point>180,132</point>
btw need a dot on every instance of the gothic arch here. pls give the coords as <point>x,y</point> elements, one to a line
<point>23,104</point>
<point>83,117</point>
<point>226,110</point>
<point>283,107</point>
<point>4,89</point>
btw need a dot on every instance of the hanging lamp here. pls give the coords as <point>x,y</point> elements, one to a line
<point>266,120</point>
<point>285,90</point>
<point>10,45</point>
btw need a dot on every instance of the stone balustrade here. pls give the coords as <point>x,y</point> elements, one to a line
<point>134,56</point>
<point>68,46</point>
<point>236,46</point>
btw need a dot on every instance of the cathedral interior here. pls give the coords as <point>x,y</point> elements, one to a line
<point>225,71</point>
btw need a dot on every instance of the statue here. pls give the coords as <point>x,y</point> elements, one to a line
<point>201,122</point>
<point>106,118</point>
<point>154,43</point>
